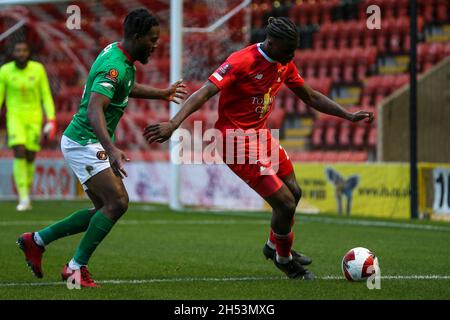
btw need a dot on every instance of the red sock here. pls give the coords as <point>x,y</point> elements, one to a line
<point>272,234</point>
<point>283,243</point>
<point>272,237</point>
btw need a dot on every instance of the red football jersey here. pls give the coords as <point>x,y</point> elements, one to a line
<point>249,82</point>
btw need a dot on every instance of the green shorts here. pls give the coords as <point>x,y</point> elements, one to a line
<point>24,132</point>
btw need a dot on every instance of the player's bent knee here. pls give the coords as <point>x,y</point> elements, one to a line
<point>297,194</point>
<point>287,207</point>
<point>118,206</point>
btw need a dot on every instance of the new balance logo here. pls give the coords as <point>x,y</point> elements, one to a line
<point>106,85</point>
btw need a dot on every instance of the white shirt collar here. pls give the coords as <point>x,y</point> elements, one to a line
<point>264,54</point>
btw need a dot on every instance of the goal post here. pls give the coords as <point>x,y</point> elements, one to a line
<point>227,10</point>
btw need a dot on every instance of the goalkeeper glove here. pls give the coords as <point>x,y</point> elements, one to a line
<point>50,129</point>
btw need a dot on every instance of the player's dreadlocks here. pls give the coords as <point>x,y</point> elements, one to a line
<point>282,28</point>
<point>138,22</point>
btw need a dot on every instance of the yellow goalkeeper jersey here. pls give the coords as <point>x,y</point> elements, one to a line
<point>26,91</point>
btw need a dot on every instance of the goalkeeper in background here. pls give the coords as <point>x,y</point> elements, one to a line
<point>24,87</point>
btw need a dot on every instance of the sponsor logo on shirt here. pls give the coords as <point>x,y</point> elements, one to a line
<point>112,75</point>
<point>263,103</point>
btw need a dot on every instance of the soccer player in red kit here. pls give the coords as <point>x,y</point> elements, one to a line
<point>248,81</point>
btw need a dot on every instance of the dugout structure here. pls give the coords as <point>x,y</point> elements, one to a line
<point>433,123</point>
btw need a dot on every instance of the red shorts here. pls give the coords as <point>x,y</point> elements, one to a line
<point>265,178</point>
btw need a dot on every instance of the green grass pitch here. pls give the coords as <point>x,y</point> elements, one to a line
<point>154,253</point>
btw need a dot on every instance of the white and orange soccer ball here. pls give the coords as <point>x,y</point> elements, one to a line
<point>359,264</point>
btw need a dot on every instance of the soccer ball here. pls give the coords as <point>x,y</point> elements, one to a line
<point>358,264</point>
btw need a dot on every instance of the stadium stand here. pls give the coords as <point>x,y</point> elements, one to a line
<point>338,56</point>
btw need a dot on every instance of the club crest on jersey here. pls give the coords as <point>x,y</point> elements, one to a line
<point>224,69</point>
<point>280,73</point>
<point>112,75</point>
<point>101,155</point>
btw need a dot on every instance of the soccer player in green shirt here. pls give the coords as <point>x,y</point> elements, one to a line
<point>88,146</point>
<point>24,85</point>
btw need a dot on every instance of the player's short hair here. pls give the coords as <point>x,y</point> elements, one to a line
<point>20,41</point>
<point>281,28</point>
<point>139,22</point>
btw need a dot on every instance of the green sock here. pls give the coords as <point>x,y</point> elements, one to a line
<point>75,223</point>
<point>20,178</point>
<point>30,175</point>
<point>98,228</point>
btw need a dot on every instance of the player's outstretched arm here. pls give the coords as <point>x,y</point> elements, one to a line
<point>96,115</point>
<point>163,131</point>
<point>324,104</point>
<point>174,93</point>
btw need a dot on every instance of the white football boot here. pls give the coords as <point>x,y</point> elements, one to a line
<point>24,205</point>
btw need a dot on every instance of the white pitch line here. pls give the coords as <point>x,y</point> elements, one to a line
<point>369,223</point>
<point>173,280</point>
<point>139,222</point>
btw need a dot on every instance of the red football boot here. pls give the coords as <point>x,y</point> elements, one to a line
<point>33,253</point>
<point>80,277</point>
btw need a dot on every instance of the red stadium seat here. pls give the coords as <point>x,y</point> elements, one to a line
<point>317,135</point>
<point>344,135</point>
<point>401,80</point>
<point>426,10</point>
<point>344,35</point>
<point>358,136</point>
<point>359,156</point>
<point>304,13</point>
<point>325,10</point>
<point>402,8</point>
<point>331,134</point>
<point>356,30</point>
<point>372,137</point>
<point>442,11</point>
<point>447,49</point>
<point>315,156</point>
<point>330,156</point>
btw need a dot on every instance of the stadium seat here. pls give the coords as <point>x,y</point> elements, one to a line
<point>402,7</point>
<point>372,137</point>
<point>325,8</point>
<point>359,136</point>
<point>359,156</point>
<point>442,7</point>
<point>426,10</point>
<point>317,134</point>
<point>344,135</point>
<point>330,156</point>
<point>331,136</point>
<point>356,30</point>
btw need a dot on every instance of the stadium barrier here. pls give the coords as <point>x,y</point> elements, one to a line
<point>347,189</point>
<point>433,118</point>
<point>53,180</point>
